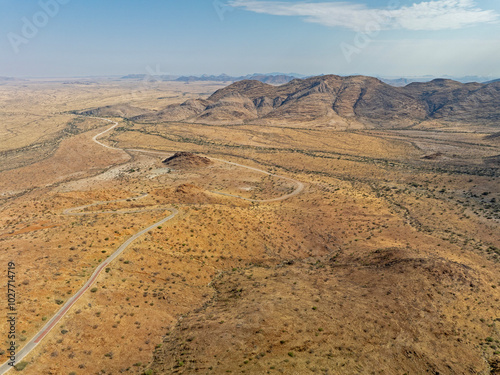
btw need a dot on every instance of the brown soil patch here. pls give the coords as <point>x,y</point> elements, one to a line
<point>30,228</point>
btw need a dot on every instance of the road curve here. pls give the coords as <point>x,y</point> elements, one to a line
<point>94,138</point>
<point>298,189</point>
<point>4,368</point>
<point>71,211</point>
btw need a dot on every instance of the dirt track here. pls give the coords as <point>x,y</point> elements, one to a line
<point>71,211</point>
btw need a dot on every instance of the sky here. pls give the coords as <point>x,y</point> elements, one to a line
<point>387,38</point>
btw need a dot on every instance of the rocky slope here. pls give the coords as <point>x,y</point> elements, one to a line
<point>346,102</point>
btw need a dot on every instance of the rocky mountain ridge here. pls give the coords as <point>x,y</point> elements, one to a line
<point>345,102</point>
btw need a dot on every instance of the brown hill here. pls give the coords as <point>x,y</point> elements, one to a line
<point>371,101</point>
<point>356,101</point>
<point>232,107</point>
<point>175,112</point>
<point>116,110</point>
<point>184,160</point>
<point>338,316</point>
<point>453,101</point>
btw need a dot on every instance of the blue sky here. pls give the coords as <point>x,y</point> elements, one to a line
<point>115,37</point>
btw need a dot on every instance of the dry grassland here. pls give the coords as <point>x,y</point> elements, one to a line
<point>386,263</point>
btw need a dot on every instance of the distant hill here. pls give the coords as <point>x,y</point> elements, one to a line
<point>282,78</point>
<point>117,110</point>
<point>403,81</point>
<point>272,79</point>
<point>492,81</point>
<point>276,79</point>
<point>468,79</point>
<point>343,102</point>
<point>148,77</point>
<point>10,79</point>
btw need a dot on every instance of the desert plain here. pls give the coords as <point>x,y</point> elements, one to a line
<point>301,245</point>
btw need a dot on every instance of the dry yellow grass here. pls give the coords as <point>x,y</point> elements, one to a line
<point>398,254</point>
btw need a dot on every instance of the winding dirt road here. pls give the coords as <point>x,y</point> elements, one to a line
<point>21,354</point>
<point>298,189</point>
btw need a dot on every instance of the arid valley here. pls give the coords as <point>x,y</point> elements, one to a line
<point>329,225</point>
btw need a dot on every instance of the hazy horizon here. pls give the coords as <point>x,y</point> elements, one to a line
<point>298,75</point>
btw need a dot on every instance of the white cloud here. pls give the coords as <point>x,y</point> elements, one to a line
<point>429,15</point>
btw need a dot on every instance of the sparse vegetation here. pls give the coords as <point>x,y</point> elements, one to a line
<point>380,243</point>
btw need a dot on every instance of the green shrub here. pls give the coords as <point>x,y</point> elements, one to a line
<point>20,366</point>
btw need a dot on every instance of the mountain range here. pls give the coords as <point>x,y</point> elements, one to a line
<point>342,102</point>
<point>273,78</point>
<point>281,78</point>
